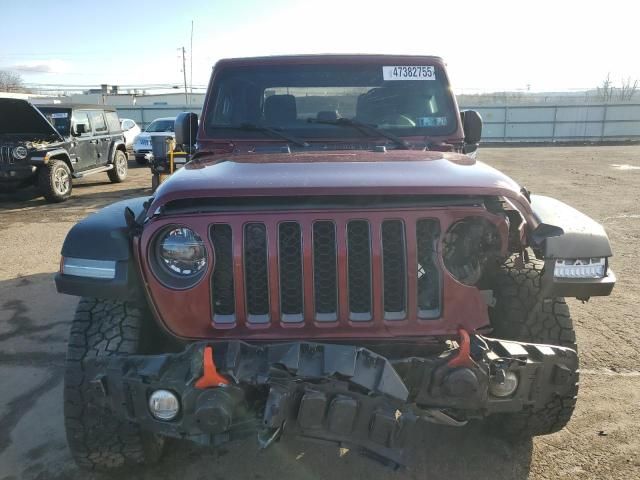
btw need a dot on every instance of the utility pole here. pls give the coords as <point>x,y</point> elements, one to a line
<point>184,73</point>
<point>191,65</point>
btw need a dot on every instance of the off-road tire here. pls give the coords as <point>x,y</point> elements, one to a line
<point>98,440</point>
<point>51,181</point>
<point>118,173</point>
<point>522,313</point>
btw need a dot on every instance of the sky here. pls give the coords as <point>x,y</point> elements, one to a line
<point>542,45</point>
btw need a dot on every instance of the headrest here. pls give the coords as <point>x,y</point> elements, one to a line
<point>280,109</point>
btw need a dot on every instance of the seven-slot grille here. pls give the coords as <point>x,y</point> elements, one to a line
<point>307,280</point>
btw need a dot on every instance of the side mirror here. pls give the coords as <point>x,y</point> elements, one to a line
<point>472,127</point>
<point>186,129</point>
<point>80,129</point>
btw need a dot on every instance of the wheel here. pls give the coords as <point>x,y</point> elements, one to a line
<point>97,440</point>
<point>54,181</point>
<point>522,313</point>
<point>141,160</point>
<point>119,171</point>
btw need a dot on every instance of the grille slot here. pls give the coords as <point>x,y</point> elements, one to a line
<point>222,285</point>
<point>394,266</point>
<point>290,263</point>
<point>325,273</point>
<point>359,269</point>
<point>427,233</point>
<point>256,272</point>
<point>6,156</point>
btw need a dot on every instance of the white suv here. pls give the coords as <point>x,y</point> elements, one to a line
<point>130,130</point>
<point>160,127</point>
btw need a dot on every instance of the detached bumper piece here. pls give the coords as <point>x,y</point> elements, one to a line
<point>341,394</point>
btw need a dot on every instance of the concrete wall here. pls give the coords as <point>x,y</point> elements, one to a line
<point>559,123</point>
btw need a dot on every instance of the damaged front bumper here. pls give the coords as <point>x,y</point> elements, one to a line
<point>343,394</point>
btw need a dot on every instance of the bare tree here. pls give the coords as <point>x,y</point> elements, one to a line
<point>11,82</point>
<point>605,90</point>
<point>627,89</point>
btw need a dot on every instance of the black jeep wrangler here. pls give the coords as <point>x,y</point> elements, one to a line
<point>49,145</point>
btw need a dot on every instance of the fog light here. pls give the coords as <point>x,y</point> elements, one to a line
<point>164,405</point>
<point>504,384</point>
<point>580,268</point>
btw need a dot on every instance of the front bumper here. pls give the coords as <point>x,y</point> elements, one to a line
<point>343,394</point>
<point>145,153</point>
<point>17,174</point>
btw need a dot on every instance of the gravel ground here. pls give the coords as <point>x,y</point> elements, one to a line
<point>601,441</point>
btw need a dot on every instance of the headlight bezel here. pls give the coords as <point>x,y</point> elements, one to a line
<point>24,152</point>
<point>162,270</point>
<point>487,244</point>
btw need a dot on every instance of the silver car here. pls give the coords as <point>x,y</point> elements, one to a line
<point>160,127</point>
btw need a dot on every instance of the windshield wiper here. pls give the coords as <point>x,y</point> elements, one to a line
<point>251,127</point>
<point>367,129</point>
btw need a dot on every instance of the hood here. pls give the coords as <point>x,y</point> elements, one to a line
<point>155,134</point>
<point>20,117</point>
<point>397,172</point>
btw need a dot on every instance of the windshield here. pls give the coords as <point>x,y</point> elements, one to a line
<point>306,100</point>
<point>60,118</point>
<point>161,126</point>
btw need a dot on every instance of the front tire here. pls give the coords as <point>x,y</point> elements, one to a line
<point>98,440</point>
<point>119,171</point>
<point>523,314</point>
<point>54,181</point>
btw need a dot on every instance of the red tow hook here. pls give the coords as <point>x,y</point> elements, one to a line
<point>463,357</point>
<point>210,376</point>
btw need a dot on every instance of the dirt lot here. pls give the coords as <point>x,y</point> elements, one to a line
<point>602,440</point>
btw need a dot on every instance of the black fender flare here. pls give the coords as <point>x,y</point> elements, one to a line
<point>115,146</point>
<point>56,154</point>
<point>103,236</point>
<point>566,233</point>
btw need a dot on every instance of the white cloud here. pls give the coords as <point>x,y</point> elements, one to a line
<point>41,66</point>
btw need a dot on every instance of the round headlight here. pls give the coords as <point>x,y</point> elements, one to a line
<point>20,153</point>
<point>181,252</point>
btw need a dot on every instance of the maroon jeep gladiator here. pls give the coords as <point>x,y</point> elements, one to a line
<point>333,263</point>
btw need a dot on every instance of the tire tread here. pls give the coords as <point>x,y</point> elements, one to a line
<point>523,314</point>
<point>97,440</point>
